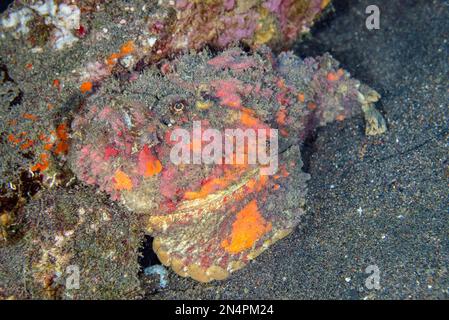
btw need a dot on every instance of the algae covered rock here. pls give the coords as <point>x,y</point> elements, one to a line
<point>80,247</point>
<point>223,22</point>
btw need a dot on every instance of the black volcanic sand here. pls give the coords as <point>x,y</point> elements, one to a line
<point>372,200</point>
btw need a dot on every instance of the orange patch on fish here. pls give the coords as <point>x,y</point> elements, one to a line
<point>281,117</point>
<point>311,106</point>
<point>248,227</point>
<point>248,120</point>
<point>213,185</point>
<point>207,188</point>
<point>29,116</point>
<point>335,76</point>
<point>122,181</point>
<point>127,48</point>
<point>255,184</point>
<point>149,164</point>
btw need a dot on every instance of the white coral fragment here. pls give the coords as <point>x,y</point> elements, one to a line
<point>65,18</point>
<point>18,20</point>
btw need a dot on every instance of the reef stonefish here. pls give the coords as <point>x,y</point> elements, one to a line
<point>210,219</point>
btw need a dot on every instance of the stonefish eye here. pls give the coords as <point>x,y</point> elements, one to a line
<point>178,106</point>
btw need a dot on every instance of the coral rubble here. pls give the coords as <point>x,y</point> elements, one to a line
<point>77,247</point>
